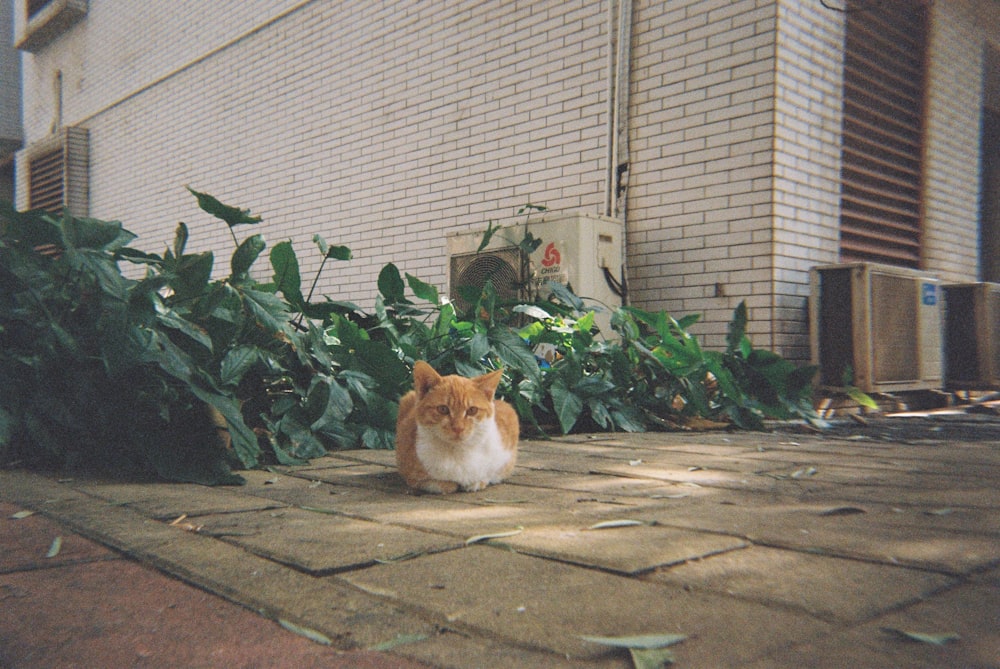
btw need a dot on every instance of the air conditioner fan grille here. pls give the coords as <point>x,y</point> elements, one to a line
<point>502,267</point>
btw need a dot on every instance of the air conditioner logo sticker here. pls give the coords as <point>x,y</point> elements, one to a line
<point>929,294</point>
<point>551,257</point>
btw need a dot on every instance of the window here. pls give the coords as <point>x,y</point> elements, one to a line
<point>45,20</point>
<point>882,135</point>
<point>57,172</point>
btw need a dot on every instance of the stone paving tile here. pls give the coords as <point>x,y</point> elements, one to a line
<point>459,520</point>
<point>302,490</point>
<point>991,577</point>
<point>336,459</point>
<point>92,517</point>
<point>368,476</point>
<point>969,611</point>
<point>170,500</point>
<point>975,464</point>
<point>545,605</point>
<point>915,541</point>
<point>870,476</point>
<point>27,542</point>
<point>588,483</point>
<point>979,494</point>
<point>833,589</point>
<point>320,542</point>
<point>935,454</point>
<point>626,550</point>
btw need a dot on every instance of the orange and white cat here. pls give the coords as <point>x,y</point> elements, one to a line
<point>453,434</point>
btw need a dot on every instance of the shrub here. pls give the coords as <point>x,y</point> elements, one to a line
<point>189,377</point>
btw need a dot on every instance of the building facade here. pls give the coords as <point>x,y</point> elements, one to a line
<point>10,101</point>
<point>729,135</point>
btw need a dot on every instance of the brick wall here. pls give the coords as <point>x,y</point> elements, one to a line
<point>808,117</point>
<point>380,126</point>
<point>700,207</point>
<point>952,132</point>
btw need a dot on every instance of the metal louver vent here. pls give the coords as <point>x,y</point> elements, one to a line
<point>882,133</point>
<point>45,187</point>
<point>58,172</point>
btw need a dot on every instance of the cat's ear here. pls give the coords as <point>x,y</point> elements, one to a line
<point>424,378</point>
<point>488,382</point>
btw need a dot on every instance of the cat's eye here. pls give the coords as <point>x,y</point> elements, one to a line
<point>472,411</point>
<point>443,409</point>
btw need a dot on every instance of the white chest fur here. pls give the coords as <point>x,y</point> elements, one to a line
<point>478,459</point>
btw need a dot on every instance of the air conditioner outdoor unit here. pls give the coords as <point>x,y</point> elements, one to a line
<point>972,335</point>
<point>876,327</point>
<point>577,250</point>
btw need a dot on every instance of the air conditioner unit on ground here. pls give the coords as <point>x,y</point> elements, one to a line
<point>577,250</point>
<point>972,335</point>
<point>876,327</point>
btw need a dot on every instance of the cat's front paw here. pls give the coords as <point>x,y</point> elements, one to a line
<point>475,487</point>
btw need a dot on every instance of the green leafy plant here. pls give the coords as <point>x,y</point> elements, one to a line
<point>191,376</point>
<point>92,373</point>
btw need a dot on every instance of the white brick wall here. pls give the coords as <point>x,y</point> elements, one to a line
<point>808,116</point>
<point>379,126</point>
<point>701,179</point>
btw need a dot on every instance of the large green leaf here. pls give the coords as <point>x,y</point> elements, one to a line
<point>736,334</point>
<point>243,438</point>
<point>268,310</point>
<point>564,295</point>
<point>189,275</point>
<point>335,401</point>
<point>286,273</point>
<point>568,405</point>
<point>297,439</point>
<point>245,256</point>
<point>180,239</point>
<point>487,236</point>
<point>230,215</point>
<point>514,352</point>
<point>170,319</point>
<point>90,233</point>
<point>390,285</point>
<point>237,362</point>
<point>424,291</point>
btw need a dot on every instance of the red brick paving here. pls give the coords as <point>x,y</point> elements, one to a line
<point>89,607</point>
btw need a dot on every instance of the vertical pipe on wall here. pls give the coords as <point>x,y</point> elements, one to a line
<point>610,157</point>
<point>619,76</point>
<point>623,78</point>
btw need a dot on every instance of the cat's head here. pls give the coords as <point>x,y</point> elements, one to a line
<point>453,406</point>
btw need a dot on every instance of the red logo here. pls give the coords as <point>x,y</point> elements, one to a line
<point>551,256</point>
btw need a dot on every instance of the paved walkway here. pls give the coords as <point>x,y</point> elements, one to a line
<point>763,550</point>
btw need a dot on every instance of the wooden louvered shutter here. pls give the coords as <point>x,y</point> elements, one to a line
<point>882,137</point>
<point>46,187</point>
